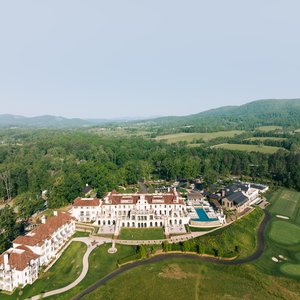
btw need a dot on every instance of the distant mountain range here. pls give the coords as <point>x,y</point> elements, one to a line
<point>284,112</point>
<point>48,121</point>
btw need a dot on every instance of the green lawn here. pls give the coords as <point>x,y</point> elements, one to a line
<point>190,137</point>
<point>269,128</point>
<point>248,148</point>
<point>282,236</point>
<point>291,269</point>
<point>81,234</point>
<point>141,234</point>
<point>188,279</point>
<point>285,233</point>
<point>236,239</point>
<point>287,203</point>
<point>101,263</point>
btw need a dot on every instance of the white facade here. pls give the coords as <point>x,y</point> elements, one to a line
<point>17,269</point>
<point>19,265</point>
<point>133,210</point>
<point>85,209</point>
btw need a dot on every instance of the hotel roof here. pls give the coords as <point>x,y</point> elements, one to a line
<point>114,198</point>
<point>86,202</point>
<point>44,231</point>
<point>19,258</point>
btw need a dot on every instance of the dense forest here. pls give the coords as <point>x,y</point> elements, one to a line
<point>62,162</point>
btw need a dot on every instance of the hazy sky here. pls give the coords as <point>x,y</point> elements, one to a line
<point>94,58</point>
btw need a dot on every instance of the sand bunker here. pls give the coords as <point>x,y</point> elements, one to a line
<point>282,217</point>
<point>275,259</point>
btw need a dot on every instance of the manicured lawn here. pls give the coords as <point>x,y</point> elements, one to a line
<point>285,233</point>
<point>282,236</point>
<point>141,234</point>
<point>189,279</point>
<point>100,264</point>
<point>190,137</point>
<point>81,234</point>
<point>287,203</point>
<point>291,269</point>
<point>62,273</point>
<point>248,148</point>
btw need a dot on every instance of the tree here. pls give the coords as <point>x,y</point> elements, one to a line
<point>6,179</point>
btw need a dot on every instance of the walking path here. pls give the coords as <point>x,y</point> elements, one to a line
<point>258,252</point>
<point>85,262</point>
<point>93,241</point>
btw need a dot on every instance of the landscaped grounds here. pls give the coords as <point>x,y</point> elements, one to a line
<point>287,203</point>
<point>179,278</point>
<point>141,234</point>
<point>285,233</point>
<point>283,236</point>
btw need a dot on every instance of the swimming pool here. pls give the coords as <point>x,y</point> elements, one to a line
<point>203,216</point>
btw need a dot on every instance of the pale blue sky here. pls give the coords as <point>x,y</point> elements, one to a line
<point>103,59</point>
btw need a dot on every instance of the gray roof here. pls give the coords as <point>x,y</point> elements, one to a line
<point>238,198</point>
<point>258,186</point>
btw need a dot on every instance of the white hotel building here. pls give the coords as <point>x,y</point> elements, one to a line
<point>20,264</point>
<point>133,210</point>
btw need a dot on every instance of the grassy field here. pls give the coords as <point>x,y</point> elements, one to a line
<point>240,235</point>
<point>265,138</point>
<point>248,148</point>
<point>269,128</point>
<point>190,137</point>
<point>282,236</point>
<point>141,234</point>
<point>188,279</point>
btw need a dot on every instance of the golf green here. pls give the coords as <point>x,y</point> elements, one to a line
<point>285,233</point>
<point>291,269</point>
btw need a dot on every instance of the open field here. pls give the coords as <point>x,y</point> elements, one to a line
<point>248,148</point>
<point>141,234</point>
<point>269,128</point>
<point>179,278</point>
<point>190,137</point>
<point>265,138</point>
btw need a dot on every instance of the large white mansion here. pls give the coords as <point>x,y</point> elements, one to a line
<point>133,210</point>
<point>20,264</point>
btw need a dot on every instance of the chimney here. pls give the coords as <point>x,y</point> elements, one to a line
<point>55,213</point>
<point>5,259</point>
<point>43,219</point>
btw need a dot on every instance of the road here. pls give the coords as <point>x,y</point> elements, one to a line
<point>258,252</point>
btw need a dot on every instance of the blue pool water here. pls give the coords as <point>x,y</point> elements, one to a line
<point>203,216</point>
